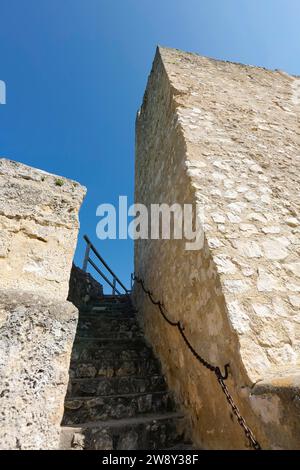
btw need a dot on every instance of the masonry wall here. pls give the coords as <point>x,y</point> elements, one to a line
<point>227,136</point>
<point>38,235</point>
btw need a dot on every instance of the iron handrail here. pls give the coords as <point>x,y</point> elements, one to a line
<point>87,260</point>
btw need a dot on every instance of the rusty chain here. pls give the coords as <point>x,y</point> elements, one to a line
<point>217,371</point>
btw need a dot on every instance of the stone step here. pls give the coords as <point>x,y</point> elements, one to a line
<point>182,446</point>
<point>107,319</point>
<point>115,298</point>
<point>114,367</point>
<point>107,313</point>
<point>100,333</point>
<point>83,409</point>
<point>90,349</point>
<point>111,303</point>
<point>151,432</point>
<point>102,307</point>
<point>92,353</point>
<point>116,385</point>
<point>102,326</point>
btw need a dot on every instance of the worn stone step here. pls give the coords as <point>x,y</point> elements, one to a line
<point>114,367</point>
<point>90,349</point>
<point>149,432</point>
<point>107,317</point>
<point>107,313</point>
<point>92,353</point>
<point>183,446</point>
<point>83,409</point>
<point>100,327</point>
<point>116,385</point>
<point>106,334</point>
<point>100,307</point>
<point>111,303</point>
<point>114,298</point>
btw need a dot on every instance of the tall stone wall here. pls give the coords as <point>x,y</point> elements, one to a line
<point>226,136</point>
<point>39,226</point>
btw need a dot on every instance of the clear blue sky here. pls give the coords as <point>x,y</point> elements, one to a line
<point>76,70</point>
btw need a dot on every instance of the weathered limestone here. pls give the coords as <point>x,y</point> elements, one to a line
<point>38,229</point>
<point>227,136</point>
<point>36,338</point>
<point>39,226</point>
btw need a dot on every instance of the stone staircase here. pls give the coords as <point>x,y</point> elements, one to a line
<point>117,396</point>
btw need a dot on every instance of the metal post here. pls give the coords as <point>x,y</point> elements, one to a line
<point>86,257</point>
<point>131,281</point>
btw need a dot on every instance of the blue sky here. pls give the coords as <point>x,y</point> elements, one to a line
<point>76,70</point>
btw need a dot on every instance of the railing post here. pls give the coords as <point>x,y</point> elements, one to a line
<point>131,281</point>
<point>87,260</point>
<point>86,257</point>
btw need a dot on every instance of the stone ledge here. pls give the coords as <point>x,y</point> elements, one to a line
<point>276,400</point>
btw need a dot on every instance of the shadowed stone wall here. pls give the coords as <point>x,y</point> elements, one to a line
<point>227,136</point>
<point>39,226</point>
<point>83,288</point>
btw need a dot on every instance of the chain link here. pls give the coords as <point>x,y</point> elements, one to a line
<point>249,434</point>
<point>217,371</point>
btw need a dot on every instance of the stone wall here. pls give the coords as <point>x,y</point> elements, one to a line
<point>36,338</point>
<point>226,136</point>
<point>83,288</point>
<point>39,226</point>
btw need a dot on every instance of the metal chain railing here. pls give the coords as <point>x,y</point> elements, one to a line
<point>215,369</point>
